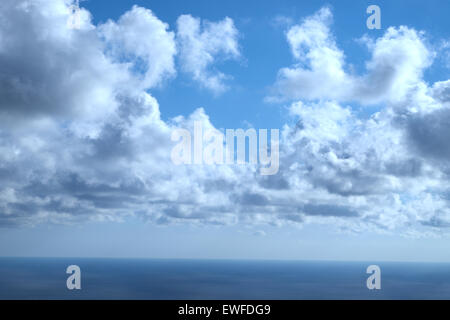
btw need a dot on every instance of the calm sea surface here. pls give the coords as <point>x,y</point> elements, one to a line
<point>33,278</point>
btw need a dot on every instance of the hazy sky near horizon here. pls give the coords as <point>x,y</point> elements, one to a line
<point>86,116</point>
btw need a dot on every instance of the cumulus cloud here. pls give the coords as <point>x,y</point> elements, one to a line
<point>379,169</point>
<point>142,40</point>
<point>201,44</point>
<point>48,69</point>
<point>398,60</point>
<point>82,138</point>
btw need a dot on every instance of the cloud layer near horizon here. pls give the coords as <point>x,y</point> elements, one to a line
<point>81,137</point>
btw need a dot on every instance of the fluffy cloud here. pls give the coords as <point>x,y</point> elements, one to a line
<point>144,41</point>
<point>82,139</point>
<point>389,169</point>
<point>201,44</point>
<point>48,69</point>
<point>398,60</point>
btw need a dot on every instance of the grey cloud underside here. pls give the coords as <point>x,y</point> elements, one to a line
<point>430,134</point>
<point>82,139</point>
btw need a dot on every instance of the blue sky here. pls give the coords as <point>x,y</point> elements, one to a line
<point>87,115</point>
<point>263,44</point>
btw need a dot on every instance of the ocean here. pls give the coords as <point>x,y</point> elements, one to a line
<point>45,278</point>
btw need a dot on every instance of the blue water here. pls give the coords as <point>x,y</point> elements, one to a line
<point>32,278</point>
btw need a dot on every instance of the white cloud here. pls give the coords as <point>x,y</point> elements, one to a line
<point>51,70</point>
<point>201,44</point>
<point>396,67</point>
<point>94,147</point>
<point>144,41</point>
<point>398,60</point>
<point>378,169</point>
